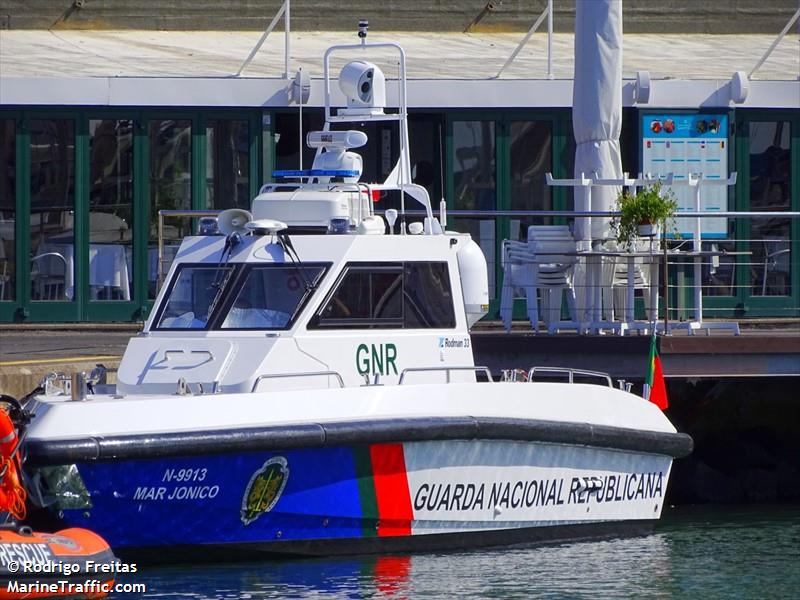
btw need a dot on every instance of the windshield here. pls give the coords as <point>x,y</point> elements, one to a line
<point>270,295</point>
<point>241,296</point>
<point>192,293</point>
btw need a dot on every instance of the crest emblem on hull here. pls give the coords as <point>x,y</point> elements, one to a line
<point>264,489</point>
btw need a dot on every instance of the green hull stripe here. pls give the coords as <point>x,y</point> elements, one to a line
<point>366,491</point>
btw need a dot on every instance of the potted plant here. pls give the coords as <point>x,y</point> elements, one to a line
<point>644,214</point>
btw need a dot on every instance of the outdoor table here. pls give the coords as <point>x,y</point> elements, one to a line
<point>697,322</point>
<point>594,308</point>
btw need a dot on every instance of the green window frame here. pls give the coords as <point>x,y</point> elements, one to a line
<point>561,123</point>
<point>748,303</point>
<point>22,308</point>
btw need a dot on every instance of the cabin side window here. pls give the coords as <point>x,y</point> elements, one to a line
<point>410,295</point>
<point>428,298</point>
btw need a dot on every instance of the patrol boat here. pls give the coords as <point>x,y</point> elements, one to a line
<point>305,385</point>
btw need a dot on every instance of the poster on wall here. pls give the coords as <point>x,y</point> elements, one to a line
<point>682,144</point>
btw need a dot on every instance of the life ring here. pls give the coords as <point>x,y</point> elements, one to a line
<point>12,494</point>
<point>8,435</point>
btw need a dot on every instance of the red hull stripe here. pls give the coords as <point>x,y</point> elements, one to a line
<point>391,489</point>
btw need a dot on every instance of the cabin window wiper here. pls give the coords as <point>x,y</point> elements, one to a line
<point>286,243</point>
<point>223,276</point>
<point>219,285</point>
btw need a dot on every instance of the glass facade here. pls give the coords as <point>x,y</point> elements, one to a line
<point>228,164</point>
<point>91,182</point>
<point>474,160</point>
<point>8,209</point>
<point>770,191</point>
<point>289,141</point>
<point>170,144</point>
<point>52,197</point>
<point>426,143</point>
<point>111,206</point>
<point>531,156</point>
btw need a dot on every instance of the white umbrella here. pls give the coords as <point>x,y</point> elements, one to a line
<point>597,104</point>
<point>596,121</point>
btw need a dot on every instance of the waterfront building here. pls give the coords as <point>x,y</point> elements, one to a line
<point>101,129</point>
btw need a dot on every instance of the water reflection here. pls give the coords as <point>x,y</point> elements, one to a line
<point>716,553</point>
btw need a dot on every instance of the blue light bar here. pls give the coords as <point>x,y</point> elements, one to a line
<point>317,173</point>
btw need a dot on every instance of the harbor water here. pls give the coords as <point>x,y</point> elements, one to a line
<point>694,552</point>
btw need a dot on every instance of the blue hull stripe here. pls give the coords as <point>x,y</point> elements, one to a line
<point>198,500</point>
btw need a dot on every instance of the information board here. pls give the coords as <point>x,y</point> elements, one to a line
<point>684,144</point>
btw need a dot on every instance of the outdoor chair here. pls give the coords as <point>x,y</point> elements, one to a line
<point>542,268</point>
<point>615,296</point>
<point>49,275</point>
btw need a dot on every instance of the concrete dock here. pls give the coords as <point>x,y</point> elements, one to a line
<point>766,348</point>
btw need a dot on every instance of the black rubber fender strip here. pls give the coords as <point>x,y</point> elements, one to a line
<point>315,435</point>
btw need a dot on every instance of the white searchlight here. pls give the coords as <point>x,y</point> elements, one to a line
<point>364,86</point>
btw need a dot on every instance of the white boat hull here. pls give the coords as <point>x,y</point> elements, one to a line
<point>369,485</point>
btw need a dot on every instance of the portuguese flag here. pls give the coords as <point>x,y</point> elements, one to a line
<point>654,388</point>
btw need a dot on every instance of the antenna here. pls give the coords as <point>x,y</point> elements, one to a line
<point>443,203</point>
<point>300,92</point>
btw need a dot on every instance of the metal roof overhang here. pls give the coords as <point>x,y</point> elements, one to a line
<point>218,92</point>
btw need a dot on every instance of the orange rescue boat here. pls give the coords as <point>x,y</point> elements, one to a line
<point>73,563</point>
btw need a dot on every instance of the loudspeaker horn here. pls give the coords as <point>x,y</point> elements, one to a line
<point>234,220</point>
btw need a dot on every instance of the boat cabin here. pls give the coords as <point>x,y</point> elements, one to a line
<point>312,289</point>
<point>365,307</point>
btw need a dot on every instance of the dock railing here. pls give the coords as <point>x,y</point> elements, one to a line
<point>736,277</point>
<point>284,11</point>
<point>547,13</point>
